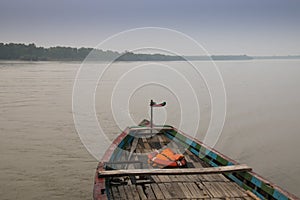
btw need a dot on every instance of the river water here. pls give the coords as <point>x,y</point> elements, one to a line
<point>42,156</point>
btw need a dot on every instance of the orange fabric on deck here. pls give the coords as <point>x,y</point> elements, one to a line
<point>169,155</point>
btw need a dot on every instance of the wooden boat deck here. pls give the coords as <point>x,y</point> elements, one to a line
<point>134,156</point>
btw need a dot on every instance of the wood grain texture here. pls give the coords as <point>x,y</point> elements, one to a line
<point>181,171</point>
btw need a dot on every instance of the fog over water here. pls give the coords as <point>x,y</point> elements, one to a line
<point>41,155</point>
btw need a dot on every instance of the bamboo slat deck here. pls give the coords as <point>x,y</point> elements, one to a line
<point>175,186</point>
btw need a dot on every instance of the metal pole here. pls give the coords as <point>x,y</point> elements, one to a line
<point>151,117</point>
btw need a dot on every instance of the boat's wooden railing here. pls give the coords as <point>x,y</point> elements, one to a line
<point>177,171</point>
<point>149,128</point>
<point>147,131</point>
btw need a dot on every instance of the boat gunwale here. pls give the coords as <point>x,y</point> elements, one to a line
<point>252,173</point>
<point>99,183</point>
<point>126,132</point>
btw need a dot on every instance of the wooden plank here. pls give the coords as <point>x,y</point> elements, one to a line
<point>146,144</point>
<point>195,177</point>
<point>162,140</point>
<point>122,192</point>
<point>224,190</point>
<point>156,179</point>
<point>115,192</point>
<point>164,178</point>
<point>175,178</point>
<point>141,192</point>
<point>172,191</point>
<point>203,189</point>
<point>185,190</point>
<point>191,189</point>
<point>128,191</point>
<point>214,192</point>
<point>182,178</point>
<point>231,190</point>
<point>199,190</point>
<point>149,192</point>
<point>249,198</point>
<point>176,171</point>
<point>158,193</point>
<point>213,178</point>
<point>195,160</point>
<point>164,190</point>
<point>177,190</point>
<point>133,148</point>
<point>252,195</point>
<point>134,192</point>
<point>234,189</point>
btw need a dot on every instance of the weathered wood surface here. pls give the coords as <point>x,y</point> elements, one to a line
<point>202,182</point>
<point>186,190</point>
<point>177,171</point>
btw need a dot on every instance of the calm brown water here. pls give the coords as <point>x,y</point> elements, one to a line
<point>41,155</point>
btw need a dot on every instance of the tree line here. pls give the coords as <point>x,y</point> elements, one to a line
<point>13,51</point>
<point>30,52</point>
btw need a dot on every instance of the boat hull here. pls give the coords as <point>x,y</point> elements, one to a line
<point>251,182</point>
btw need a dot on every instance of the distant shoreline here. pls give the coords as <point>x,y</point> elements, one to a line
<point>30,52</point>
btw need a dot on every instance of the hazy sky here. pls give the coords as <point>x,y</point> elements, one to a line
<point>253,27</point>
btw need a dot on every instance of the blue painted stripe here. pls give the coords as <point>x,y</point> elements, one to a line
<point>117,152</point>
<point>279,195</point>
<point>168,136</point>
<point>211,154</point>
<point>171,137</point>
<point>130,139</point>
<point>206,151</point>
<point>170,132</point>
<point>258,194</point>
<point>194,144</point>
<point>112,157</point>
<point>230,163</point>
<point>256,181</point>
<point>194,151</point>
<point>213,164</point>
<point>188,141</point>
<point>121,144</point>
<point>240,183</point>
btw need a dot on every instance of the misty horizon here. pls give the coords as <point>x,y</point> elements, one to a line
<point>232,27</point>
<point>146,52</point>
